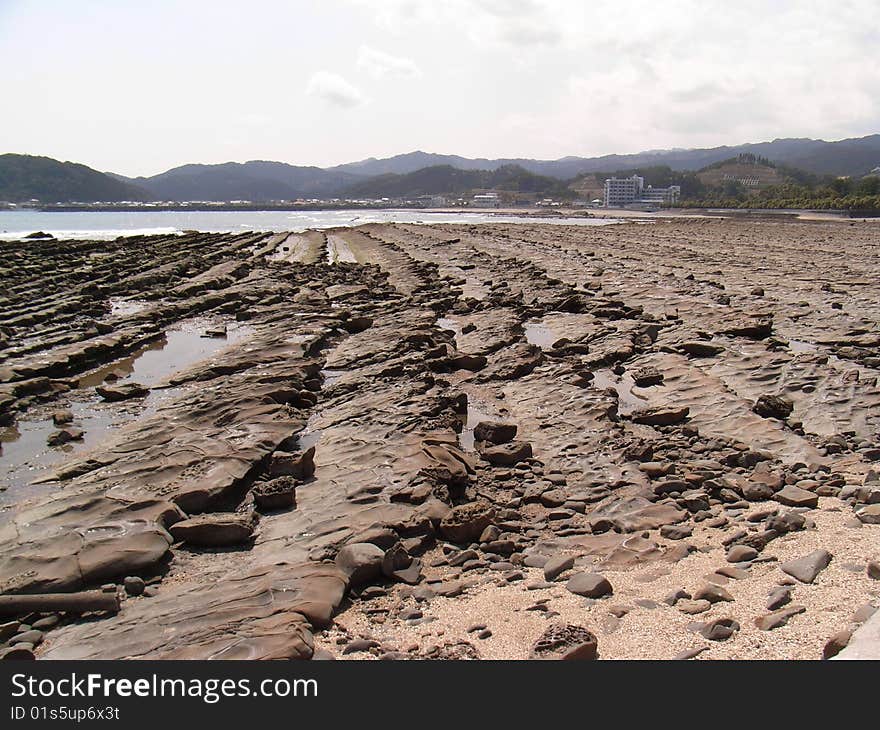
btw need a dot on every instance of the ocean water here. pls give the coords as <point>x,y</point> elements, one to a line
<point>97,225</point>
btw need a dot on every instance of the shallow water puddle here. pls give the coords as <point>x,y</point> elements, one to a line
<point>476,412</point>
<point>120,307</point>
<point>26,454</point>
<point>627,401</point>
<point>331,376</point>
<point>537,333</point>
<point>800,346</point>
<point>450,325</point>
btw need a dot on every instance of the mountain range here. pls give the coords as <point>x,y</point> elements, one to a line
<point>24,177</point>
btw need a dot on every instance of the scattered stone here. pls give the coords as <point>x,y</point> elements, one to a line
<point>836,644</point>
<point>134,585</point>
<point>556,566</point>
<point>506,454</point>
<point>741,554</point>
<point>693,607</point>
<point>63,417</point>
<point>589,585</point>
<point>712,593</point>
<point>64,435</point>
<point>660,416</point>
<point>806,568</point>
<point>779,618</point>
<point>720,629</point>
<point>778,598</point>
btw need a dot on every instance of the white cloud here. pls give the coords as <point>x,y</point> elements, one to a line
<point>334,89</point>
<point>518,23</point>
<point>379,64</point>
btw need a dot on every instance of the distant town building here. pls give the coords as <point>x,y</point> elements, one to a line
<point>623,191</point>
<point>486,200</point>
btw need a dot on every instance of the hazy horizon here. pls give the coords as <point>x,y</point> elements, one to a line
<point>329,83</point>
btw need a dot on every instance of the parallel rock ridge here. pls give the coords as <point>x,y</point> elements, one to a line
<point>500,441</point>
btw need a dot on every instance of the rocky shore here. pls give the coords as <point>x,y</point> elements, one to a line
<point>442,441</point>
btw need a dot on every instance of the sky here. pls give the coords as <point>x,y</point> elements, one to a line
<point>138,88</point>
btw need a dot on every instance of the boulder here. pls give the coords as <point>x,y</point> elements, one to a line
<point>121,391</point>
<point>869,514</point>
<point>287,464</point>
<point>507,454</point>
<point>134,585</point>
<point>836,644</point>
<point>647,376</point>
<point>661,416</point>
<point>396,559</point>
<point>495,432</point>
<point>566,641</point>
<point>466,522</point>
<point>62,436</point>
<point>60,418</point>
<point>741,554</point>
<point>700,348</point>
<point>773,406</point>
<point>360,562</point>
<point>279,493</point>
<point>712,593</point>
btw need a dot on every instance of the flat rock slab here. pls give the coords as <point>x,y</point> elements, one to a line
<point>261,614</point>
<point>806,569</point>
<point>661,416</point>
<point>72,559</point>
<point>214,530</point>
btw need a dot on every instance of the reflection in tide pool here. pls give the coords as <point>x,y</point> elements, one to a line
<point>26,455</point>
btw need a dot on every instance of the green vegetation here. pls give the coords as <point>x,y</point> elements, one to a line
<point>448,180</point>
<point>806,192</point>
<point>23,178</point>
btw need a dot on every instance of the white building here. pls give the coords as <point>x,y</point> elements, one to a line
<point>486,200</point>
<point>661,196</point>
<point>621,191</point>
